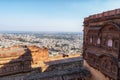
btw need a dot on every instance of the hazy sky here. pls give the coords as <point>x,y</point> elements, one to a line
<point>50,15</point>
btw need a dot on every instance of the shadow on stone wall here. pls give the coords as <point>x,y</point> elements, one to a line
<point>21,68</point>
<point>22,64</point>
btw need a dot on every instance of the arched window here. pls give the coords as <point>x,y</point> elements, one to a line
<point>110,43</point>
<point>116,44</point>
<point>98,41</point>
<point>91,40</point>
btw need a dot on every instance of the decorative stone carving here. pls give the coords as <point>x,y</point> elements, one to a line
<point>106,28</point>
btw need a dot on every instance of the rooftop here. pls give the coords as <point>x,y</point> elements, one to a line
<point>103,14</point>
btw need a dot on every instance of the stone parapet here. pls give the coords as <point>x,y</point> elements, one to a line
<point>19,59</point>
<point>104,14</point>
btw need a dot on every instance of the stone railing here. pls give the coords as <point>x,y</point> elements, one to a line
<point>64,64</point>
<point>14,68</point>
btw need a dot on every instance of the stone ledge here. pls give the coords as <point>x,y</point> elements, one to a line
<point>81,73</point>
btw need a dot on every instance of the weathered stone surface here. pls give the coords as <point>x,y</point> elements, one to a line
<point>65,69</point>
<point>19,59</point>
<point>101,47</point>
<point>38,54</point>
<point>33,63</point>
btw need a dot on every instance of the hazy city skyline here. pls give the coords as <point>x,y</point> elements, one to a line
<point>50,15</point>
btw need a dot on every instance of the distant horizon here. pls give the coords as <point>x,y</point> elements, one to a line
<point>40,31</point>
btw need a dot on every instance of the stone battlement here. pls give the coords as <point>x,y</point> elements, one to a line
<point>104,14</point>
